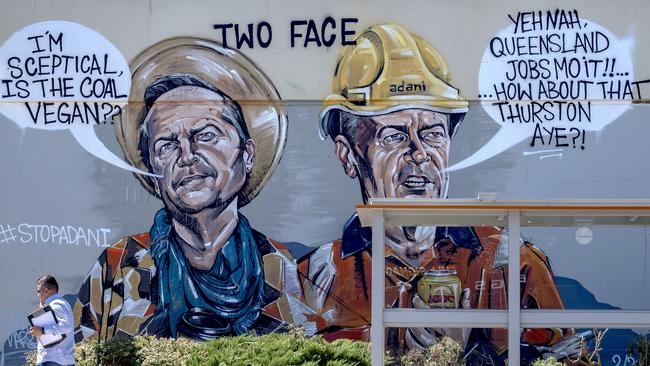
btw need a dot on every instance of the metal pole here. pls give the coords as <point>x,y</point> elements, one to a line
<point>377,290</point>
<point>514,289</point>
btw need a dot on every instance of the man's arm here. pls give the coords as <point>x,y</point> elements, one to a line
<point>64,323</point>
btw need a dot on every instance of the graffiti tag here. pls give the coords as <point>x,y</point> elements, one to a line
<point>54,234</point>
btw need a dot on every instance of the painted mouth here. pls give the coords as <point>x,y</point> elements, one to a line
<point>189,179</point>
<point>416,182</point>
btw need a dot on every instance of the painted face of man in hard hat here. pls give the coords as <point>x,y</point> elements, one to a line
<point>401,154</point>
<point>392,115</point>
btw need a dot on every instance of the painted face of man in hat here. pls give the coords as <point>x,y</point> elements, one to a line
<point>201,271</point>
<point>195,140</point>
<point>392,122</point>
<point>196,148</point>
<point>401,154</point>
<point>398,155</point>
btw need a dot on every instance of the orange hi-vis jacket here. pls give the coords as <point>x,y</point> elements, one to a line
<point>339,282</point>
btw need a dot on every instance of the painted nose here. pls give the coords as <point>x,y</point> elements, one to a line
<point>187,157</point>
<point>418,154</point>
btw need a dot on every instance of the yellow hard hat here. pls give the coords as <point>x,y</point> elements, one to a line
<point>389,69</point>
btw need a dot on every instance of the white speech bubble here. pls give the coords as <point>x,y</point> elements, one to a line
<point>60,75</point>
<point>539,79</point>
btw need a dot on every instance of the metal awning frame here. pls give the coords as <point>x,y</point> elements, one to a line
<point>511,215</point>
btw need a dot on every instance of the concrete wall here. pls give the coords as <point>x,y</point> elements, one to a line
<point>50,180</point>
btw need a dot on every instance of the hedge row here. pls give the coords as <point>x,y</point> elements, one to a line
<point>272,349</point>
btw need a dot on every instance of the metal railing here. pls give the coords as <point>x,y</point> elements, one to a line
<point>510,215</point>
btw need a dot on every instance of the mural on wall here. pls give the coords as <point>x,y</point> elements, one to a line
<point>202,272</point>
<point>205,128</point>
<point>61,75</point>
<point>392,121</point>
<point>195,121</point>
<point>550,76</point>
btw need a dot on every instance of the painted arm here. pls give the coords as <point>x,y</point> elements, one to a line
<point>539,292</point>
<point>89,300</point>
<point>338,291</point>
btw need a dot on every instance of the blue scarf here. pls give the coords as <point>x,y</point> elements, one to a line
<point>232,290</point>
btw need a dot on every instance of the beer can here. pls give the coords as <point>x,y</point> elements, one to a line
<point>440,288</point>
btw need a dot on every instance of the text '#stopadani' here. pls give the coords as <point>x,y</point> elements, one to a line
<point>54,234</point>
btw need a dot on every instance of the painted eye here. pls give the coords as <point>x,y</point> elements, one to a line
<point>432,136</point>
<point>394,138</point>
<point>167,147</point>
<point>204,136</point>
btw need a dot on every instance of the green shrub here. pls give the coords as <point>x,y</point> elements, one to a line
<point>547,362</point>
<point>640,349</point>
<point>282,350</point>
<point>145,351</point>
<point>446,352</point>
<point>86,353</point>
<point>117,353</point>
<point>273,350</point>
<point>168,352</point>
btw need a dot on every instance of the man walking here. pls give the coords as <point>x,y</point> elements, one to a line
<point>61,353</point>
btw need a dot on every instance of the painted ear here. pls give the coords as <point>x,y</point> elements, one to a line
<point>345,153</point>
<point>249,155</point>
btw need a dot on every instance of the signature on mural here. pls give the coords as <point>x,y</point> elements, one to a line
<point>624,360</point>
<point>13,348</point>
